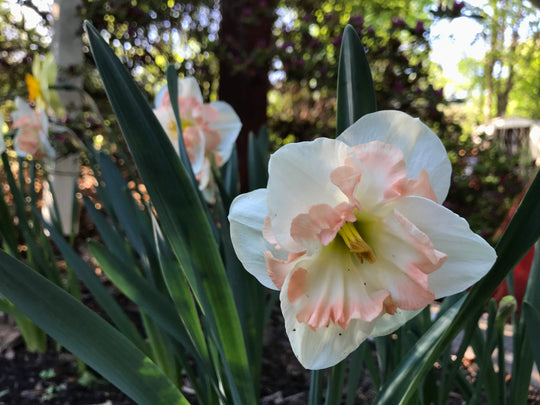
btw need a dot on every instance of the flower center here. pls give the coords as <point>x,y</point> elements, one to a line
<point>355,243</point>
<point>171,127</point>
<point>185,124</point>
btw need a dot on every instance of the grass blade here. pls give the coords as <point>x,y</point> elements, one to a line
<point>85,334</point>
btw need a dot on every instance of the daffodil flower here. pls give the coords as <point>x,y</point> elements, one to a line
<point>353,233</point>
<point>32,129</point>
<point>43,75</point>
<point>209,130</point>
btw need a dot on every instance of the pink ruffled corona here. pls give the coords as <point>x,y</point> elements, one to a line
<point>353,233</point>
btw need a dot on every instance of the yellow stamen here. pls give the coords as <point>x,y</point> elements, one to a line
<point>356,244</point>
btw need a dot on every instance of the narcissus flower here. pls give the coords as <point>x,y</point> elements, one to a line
<point>209,130</point>
<point>353,233</point>
<point>32,129</point>
<point>43,76</point>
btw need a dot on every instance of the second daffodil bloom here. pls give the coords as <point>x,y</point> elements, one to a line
<point>209,130</point>
<point>353,233</point>
<point>32,131</point>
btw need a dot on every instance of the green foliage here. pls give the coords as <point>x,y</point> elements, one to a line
<point>397,48</point>
<point>525,94</point>
<point>485,182</point>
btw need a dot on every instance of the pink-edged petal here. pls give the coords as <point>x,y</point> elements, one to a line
<point>299,178</point>
<point>421,147</point>
<point>194,142</point>
<point>347,178</point>
<point>188,87</point>
<point>384,175</point>
<point>204,175</point>
<point>407,290</point>
<point>321,224</point>
<point>246,216</point>
<point>469,256</point>
<point>333,287</point>
<point>268,233</point>
<point>399,241</point>
<point>228,126</point>
<point>325,346</point>
<point>278,269</point>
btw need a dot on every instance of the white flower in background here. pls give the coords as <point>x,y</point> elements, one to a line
<point>353,233</point>
<point>209,130</point>
<point>32,131</point>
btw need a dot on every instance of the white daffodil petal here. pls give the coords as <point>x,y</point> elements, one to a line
<point>22,109</point>
<point>158,100</point>
<point>168,122</point>
<point>228,126</point>
<point>299,176</point>
<point>325,346</point>
<point>188,87</point>
<point>422,148</point>
<point>469,256</point>
<point>247,219</point>
<point>390,323</point>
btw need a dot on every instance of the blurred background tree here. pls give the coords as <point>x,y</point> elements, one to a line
<point>275,62</point>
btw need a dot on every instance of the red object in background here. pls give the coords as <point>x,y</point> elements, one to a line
<point>521,276</point>
<point>523,268</point>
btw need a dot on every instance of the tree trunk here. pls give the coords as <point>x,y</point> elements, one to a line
<point>503,94</point>
<point>67,50</point>
<point>68,55</point>
<point>246,34</point>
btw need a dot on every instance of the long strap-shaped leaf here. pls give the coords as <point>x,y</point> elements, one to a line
<point>84,333</point>
<point>100,293</point>
<point>355,91</point>
<point>522,232</point>
<point>180,213</point>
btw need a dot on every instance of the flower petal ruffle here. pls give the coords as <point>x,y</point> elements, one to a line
<point>469,256</point>
<point>322,347</point>
<point>298,180</point>
<point>421,147</point>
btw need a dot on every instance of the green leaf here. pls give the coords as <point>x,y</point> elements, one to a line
<point>112,238</point>
<point>122,202</point>
<point>99,292</point>
<point>392,392</point>
<point>137,289</point>
<point>172,87</point>
<point>180,293</point>
<point>522,232</point>
<point>230,177</point>
<point>258,156</point>
<point>355,91</point>
<point>85,334</point>
<point>336,380</point>
<point>180,212</point>
<point>7,229</point>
